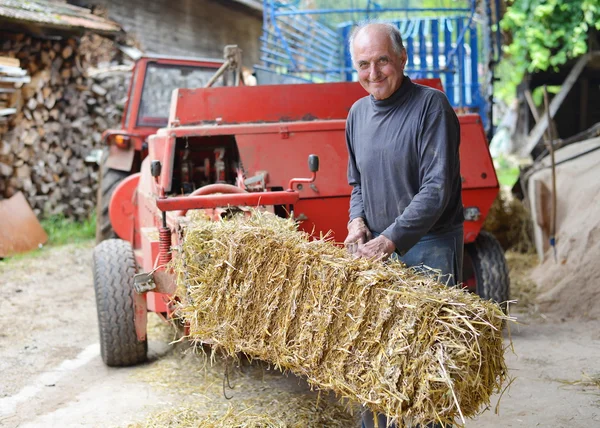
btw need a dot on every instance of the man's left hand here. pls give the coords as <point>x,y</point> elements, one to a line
<point>378,248</point>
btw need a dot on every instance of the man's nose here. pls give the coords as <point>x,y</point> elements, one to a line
<point>373,72</point>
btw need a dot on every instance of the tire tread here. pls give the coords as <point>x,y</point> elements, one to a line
<point>114,268</point>
<point>109,179</point>
<point>491,269</point>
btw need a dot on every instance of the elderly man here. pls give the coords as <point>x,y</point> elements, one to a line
<point>403,164</point>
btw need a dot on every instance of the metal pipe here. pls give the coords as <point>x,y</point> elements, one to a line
<point>218,74</point>
<point>236,199</point>
<point>390,9</point>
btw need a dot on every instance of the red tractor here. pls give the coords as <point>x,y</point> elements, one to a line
<point>149,96</point>
<point>242,146</point>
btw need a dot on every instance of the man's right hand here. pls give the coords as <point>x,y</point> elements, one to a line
<point>358,234</point>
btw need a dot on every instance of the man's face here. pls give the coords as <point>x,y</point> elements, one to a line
<point>380,68</point>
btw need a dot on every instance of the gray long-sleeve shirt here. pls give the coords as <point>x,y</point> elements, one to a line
<point>404,164</point>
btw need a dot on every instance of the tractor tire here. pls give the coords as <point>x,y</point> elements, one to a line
<point>490,269</point>
<point>114,268</point>
<point>108,180</point>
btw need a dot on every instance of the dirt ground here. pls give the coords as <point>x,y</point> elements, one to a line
<point>52,374</point>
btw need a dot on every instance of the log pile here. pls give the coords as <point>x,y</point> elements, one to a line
<point>12,77</point>
<point>59,118</point>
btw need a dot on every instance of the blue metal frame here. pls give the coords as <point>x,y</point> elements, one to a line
<point>299,47</point>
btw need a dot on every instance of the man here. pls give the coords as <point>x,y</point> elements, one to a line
<point>403,164</point>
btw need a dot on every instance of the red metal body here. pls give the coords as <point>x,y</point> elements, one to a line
<point>266,132</point>
<point>136,131</point>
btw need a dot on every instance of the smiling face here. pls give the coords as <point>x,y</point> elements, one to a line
<point>380,68</point>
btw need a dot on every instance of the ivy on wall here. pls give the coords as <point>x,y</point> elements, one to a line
<point>544,34</point>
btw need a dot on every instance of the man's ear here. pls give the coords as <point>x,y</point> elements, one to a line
<point>404,59</point>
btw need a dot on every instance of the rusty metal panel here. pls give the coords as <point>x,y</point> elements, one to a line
<point>269,103</point>
<point>120,159</point>
<point>20,230</point>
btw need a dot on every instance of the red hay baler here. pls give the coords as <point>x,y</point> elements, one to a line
<point>242,146</point>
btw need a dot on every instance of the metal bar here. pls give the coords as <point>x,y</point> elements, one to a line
<point>298,38</point>
<point>278,32</point>
<point>221,200</point>
<point>309,24</point>
<point>282,55</point>
<point>325,56</point>
<point>328,44</point>
<point>550,146</point>
<point>461,63</point>
<point>270,70</point>
<point>474,65</point>
<point>410,51</point>
<point>300,65</point>
<point>390,9</point>
<point>435,45</point>
<point>306,68</point>
<point>347,54</point>
<point>448,76</point>
<point>218,74</point>
<point>461,34</point>
<point>315,24</point>
<point>422,49</point>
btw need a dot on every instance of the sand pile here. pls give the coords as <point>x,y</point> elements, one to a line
<point>570,286</point>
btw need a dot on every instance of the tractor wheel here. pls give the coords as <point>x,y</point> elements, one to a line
<point>108,180</point>
<point>114,268</point>
<point>488,269</point>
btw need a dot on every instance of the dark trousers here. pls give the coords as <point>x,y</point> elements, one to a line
<point>440,255</point>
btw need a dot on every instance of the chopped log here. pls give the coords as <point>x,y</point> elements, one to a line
<point>59,118</point>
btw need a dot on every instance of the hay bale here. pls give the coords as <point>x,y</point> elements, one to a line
<point>377,333</point>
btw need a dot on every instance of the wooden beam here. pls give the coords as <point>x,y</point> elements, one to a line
<point>538,130</point>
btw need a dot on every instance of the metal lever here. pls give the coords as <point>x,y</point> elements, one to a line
<point>155,168</point>
<point>313,163</point>
<point>143,282</point>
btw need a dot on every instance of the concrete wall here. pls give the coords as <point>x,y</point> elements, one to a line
<point>199,28</point>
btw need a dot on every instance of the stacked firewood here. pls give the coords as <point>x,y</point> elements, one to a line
<point>59,119</point>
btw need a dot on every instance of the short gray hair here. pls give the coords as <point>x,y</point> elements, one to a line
<point>392,30</point>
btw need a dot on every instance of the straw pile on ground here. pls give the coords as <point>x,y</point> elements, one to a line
<point>377,333</point>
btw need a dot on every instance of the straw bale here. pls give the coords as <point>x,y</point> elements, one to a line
<point>378,333</point>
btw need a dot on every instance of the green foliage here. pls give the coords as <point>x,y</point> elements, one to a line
<point>63,231</point>
<point>545,34</point>
<point>507,171</point>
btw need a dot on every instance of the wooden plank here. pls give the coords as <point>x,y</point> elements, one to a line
<point>12,71</point>
<point>538,130</point>
<point>7,111</point>
<point>23,79</point>
<point>10,62</point>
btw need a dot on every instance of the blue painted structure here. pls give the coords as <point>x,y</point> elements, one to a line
<point>449,43</point>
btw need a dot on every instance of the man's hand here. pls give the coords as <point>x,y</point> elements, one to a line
<point>358,234</point>
<point>379,248</point>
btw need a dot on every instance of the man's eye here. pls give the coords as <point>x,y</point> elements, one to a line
<point>363,65</point>
<point>383,61</point>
